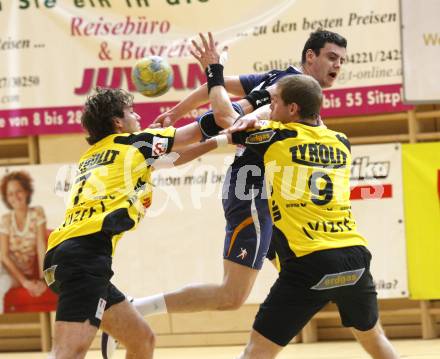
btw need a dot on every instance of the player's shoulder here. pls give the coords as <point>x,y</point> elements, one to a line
<point>165,131</point>
<point>271,131</point>
<point>339,136</point>
<point>292,70</point>
<point>333,132</point>
<point>276,125</point>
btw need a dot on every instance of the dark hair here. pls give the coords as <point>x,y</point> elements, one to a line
<point>25,181</point>
<point>100,109</point>
<point>318,39</point>
<point>303,90</point>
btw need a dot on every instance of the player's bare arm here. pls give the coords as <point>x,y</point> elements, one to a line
<point>188,153</point>
<point>196,98</point>
<point>209,59</point>
<point>187,135</point>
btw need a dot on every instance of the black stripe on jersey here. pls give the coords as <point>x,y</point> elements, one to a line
<point>143,141</point>
<point>283,134</point>
<point>344,141</point>
<point>117,222</point>
<point>281,245</point>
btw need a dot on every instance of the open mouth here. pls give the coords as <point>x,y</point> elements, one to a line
<point>333,75</point>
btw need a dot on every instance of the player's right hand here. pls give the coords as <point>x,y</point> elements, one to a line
<point>206,53</point>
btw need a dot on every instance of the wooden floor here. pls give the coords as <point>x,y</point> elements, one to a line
<point>408,349</point>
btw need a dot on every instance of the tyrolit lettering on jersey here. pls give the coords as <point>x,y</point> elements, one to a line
<point>318,155</point>
<point>98,159</point>
<point>362,168</point>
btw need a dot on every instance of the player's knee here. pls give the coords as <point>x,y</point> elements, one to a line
<point>148,337</point>
<point>76,350</point>
<point>232,300</point>
<point>370,335</point>
<point>143,341</point>
<point>253,352</point>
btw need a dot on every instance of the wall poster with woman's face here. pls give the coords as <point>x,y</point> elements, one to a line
<point>30,208</point>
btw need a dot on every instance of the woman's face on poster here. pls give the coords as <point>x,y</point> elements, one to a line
<point>16,195</point>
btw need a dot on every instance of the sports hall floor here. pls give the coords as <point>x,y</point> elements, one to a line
<point>408,349</point>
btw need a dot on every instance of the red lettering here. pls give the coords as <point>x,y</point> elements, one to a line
<point>102,80</point>
<point>177,75</point>
<point>74,27</point>
<point>196,76</point>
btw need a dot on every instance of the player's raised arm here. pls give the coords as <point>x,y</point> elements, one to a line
<point>209,59</point>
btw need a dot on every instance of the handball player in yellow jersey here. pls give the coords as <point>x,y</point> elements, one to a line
<point>322,256</point>
<point>110,195</point>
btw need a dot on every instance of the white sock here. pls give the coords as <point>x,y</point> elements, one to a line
<point>154,304</point>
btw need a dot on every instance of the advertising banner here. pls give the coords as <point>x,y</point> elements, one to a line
<point>421,49</point>
<point>421,178</point>
<point>55,52</point>
<point>377,202</point>
<point>181,239</point>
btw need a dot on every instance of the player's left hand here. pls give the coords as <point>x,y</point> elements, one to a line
<point>207,53</point>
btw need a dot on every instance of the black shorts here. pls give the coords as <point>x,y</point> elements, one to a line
<point>306,284</point>
<point>79,270</point>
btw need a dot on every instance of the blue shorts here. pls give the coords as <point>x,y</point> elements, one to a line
<point>248,226</point>
<point>207,124</point>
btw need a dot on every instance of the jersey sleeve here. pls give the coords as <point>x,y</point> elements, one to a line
<point>256,140</point>
<point>249,82</point>
<point>344,140</point>
<point>152,143</point>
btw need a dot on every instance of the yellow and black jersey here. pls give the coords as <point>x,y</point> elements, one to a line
<point>112,188</point>
<point>308,176</point>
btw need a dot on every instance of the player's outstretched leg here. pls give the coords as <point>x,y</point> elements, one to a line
<point>237,283</point>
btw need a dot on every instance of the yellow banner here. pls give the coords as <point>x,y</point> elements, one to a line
<point>421,178</point>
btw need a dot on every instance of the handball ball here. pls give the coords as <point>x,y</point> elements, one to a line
<point>152,76</point>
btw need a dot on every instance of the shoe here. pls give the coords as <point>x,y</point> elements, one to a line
<point>108,345</point>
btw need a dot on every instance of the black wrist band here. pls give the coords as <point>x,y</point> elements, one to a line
<point>258,98</point>
<point>214,76</point>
